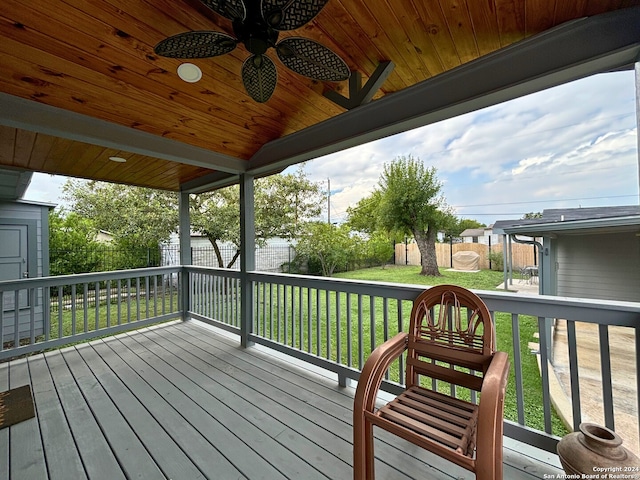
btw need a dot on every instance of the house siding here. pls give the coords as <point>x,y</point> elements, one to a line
<point>604,266</point>
<point>36,219</point>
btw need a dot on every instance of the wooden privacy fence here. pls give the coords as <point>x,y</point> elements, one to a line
<point>408,254</point>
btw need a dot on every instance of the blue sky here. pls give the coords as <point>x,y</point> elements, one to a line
<point>571,146</point>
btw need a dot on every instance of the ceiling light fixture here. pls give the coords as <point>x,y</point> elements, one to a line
<point>118,159</point>
<point>189,72</point>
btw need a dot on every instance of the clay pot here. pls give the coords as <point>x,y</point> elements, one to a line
<point>596,450</point>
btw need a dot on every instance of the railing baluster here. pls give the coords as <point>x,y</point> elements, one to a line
<point>574,374</point>
<point>517,366</point>
<point>338,330</point>
<point>401,359</point>
<point>85,306</point>
<point>285,319</point>
<point>372,322</point>
<point>270,311</point>
<point>73,309</point>
<point>32,315</point>
<point>60,306</point>
<point>293,316</point>
<point>360,335</point>
<point>129,299</point>
<point>146,296</point>
<point>309,328</point>
<point>318,342</point>
<point>119,300</point>
<point>385,326</point>
<point>544,366</point>
<point>108,292</point>
<point>300,319</point>
<point>349,333</point>
<point>327,312</point>
<point>16,318</point>
<point>605,368</point>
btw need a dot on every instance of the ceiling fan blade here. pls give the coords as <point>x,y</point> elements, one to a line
<point>198,44</point>
<point>232,9</point>
<point>290,14</point>
<point>312,59</point>
<point>259,76</point>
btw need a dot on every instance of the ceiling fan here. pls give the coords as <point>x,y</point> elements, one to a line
<point>257,24</point>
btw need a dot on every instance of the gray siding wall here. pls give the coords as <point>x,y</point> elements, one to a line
<point>16,213</point>
<point>604,266</point>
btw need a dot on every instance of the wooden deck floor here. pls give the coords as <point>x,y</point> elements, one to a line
<point>184,402</point>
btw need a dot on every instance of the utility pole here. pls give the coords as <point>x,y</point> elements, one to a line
<point>329,201</point>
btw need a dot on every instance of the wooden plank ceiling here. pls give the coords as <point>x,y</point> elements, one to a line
<point>95,57</point>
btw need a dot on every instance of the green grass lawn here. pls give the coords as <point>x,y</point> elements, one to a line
<point>484,280</point>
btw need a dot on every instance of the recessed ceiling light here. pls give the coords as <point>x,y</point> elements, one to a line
<point>118,159</point>
<point>189,72</point>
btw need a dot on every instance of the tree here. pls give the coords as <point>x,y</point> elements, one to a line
<point>72,244</point>
<point>331,245</point>
<point>283,204</point>
<point>135,216</point>
<point>411,202</point>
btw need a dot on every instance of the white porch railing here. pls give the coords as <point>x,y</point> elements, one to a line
<point>335,323</point>
<point>329,322</point>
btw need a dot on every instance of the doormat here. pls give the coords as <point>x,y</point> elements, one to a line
<point>16,405</point>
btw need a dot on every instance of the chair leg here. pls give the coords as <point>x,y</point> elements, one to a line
<point>363,456</point>
<point>370,456</point>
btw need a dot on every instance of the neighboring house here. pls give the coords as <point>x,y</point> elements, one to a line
<point>104,237</point>
<point>24,251</point>
<point>484,236</point>
<point>586,252</point>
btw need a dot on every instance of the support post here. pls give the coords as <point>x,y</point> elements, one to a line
<point>185,250</point>
<point>247,256</point>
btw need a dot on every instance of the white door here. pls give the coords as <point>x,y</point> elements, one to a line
<point>13,260</point>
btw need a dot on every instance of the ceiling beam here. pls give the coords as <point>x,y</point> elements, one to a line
<point>565,53</point>
<point>360,94</point>
<point>37,117</point>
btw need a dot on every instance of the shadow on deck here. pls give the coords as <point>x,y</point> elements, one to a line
<point>183,401</point>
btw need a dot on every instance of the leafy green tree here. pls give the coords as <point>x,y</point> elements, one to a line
<point>411,202</point>
<point>331,245</point>
<point>377,249</point>
<point>283,204</point>
<point>72,245</point>
<point>133,215</point>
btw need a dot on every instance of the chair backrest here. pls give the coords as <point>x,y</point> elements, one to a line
<point>451,337</point>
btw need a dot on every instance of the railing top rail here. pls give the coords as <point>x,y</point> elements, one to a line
<point>609,312</point>
<point>10,285</point>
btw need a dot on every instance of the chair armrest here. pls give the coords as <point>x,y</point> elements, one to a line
<point>374,369</point>
<point>491,407</point>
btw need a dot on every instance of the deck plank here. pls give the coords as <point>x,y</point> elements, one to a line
<point>98,458</point>
<point>184,401</point>
<point>170,406</point>
<point>157,441</point>
<point>328,422</point>
<point>132,456</point>
<point>233,413</point>
<point>60,450</point>
<point>26,453</point>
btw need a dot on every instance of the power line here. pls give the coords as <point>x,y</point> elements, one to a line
<point>541,201</point>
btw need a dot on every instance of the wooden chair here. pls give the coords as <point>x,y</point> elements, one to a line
<point>450,352</point>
